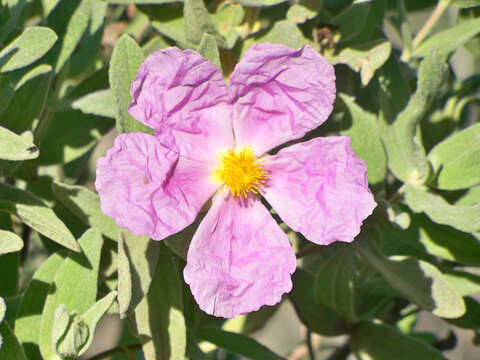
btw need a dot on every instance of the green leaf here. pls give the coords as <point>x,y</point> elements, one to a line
<point>401,133</point>
<point>93,316</point>
<point>283,32</point>
<point>168,21</point>
<point>11,82</point>
<point>449,40</point>
<point>100,102</point>
<point>159,317</point>
<point>236,343</point>
<point>127,57</point>
<point>226,18</point>
<point>298,13</point>
<point>465,283</point>
<point>209,50</point>
<point>142,1</point>
<point>29,314</point>
<point>9,242</point>
<point>313,315</point>
<point>75,286</point>
<point>471,318</point>
<point>365,58</point>
<point>464,3</point>
<point>463,218</point>
<point>71,19</point>
<point>260,3</point>
<point>366,140</point>
<point>382,342</point>
<point>85,204</point>
<point>455,160</point>
<point>16,147</point>
<point>11,348</point>
<point>334,286</point>
<point>3,310</point>
<point>137,260</point>
<point>418,281</point>
<point>34,213</point>
<point>198,22</point>
<point>30,46</point>
<point>69,333</point>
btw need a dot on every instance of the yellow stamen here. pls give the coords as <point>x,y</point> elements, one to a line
<point>240,171</point>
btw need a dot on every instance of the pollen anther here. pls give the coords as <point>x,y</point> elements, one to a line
<point>240,171</point>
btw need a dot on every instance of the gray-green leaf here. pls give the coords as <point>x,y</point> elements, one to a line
<point>27,48</point>
<point>16,147</point>
<point>199,22</point>
<point>127,57</point>
<point>9,242</point>
<point>100,102</point>
<point>455,160</point>
<point>420,282</point>
<point>75,286</point>
<point>10,349</point>
<point>86,205</point>
<point>34,213</point>
<point>382,342</point>
<point>137,260</point>
<point>209,50</point>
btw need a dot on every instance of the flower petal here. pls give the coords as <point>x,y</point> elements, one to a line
<point>320,189</point>
<point>281,93</point>
<point>180,93</point>
<point>148,189</point>
<point>239,258</point>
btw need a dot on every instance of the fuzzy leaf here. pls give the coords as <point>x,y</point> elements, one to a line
<point>198,22</point>
<point>27,48</point>
<point>9,242</point>
<point>34,213</point>
<point>209,50</point>
<point>137,260</point>
<point>101,103</point>
<point>126,58</point>
<point>16,147</point>
<point>75,286</point>
<point>86,205</point>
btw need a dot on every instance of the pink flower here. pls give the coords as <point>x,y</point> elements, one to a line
<point>210,138</point>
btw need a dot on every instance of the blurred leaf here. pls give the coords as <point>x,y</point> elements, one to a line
<point>464,3</point>
<point>9,263</point>
<point>34,213</point>
<point>11,14</point>
<point>227,17</point>
<point>198,22</point>
<point>9,242</point>
<point>29,314</point>
<point>137,260</point>
<point>463,218</point>
<point>314,316</point>
<point>260,3</point>
<point>74,285</point>
<point>70,135</point>
<point>11,82</point>
<point>449,40</point>
<point>384,342</point>
<point>366,140</point>
<point>334,285</point>
<point>455,160</point>
<point>3,310</point>
<point>471,318</point>
<point>168,20</point>
<point>159,317</point>
<point>473,45</point>
<point>126,58</point>
<point>465,283</point>
<point>352,20</point>
<point>10,349</point>
<point>401,133</point>
<point>236,343</point>
<point>420,282</point>
<point>299,13</point>
<point>86,205</point>
<point>209,50</point>
<point>142,1</point>
<point>251,322</point>
<point>16,147</point>
<point>30,46</point>
<point>283,32</point>
<point>365,58</point>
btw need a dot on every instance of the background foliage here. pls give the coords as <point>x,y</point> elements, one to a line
<point>65,73</point>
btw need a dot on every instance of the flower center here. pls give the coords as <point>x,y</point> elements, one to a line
<point>240,171</point>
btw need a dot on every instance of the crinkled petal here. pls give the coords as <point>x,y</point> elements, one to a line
<point>278,94</point>
<point>148,189</point>
<point>239,258</point>
<point>180,93</point>
<point>320,188</point>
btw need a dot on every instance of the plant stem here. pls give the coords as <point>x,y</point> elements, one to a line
<point>119,349</point>
<point>311,353</point>
<point>307,250</point>
<point>432,20</point>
